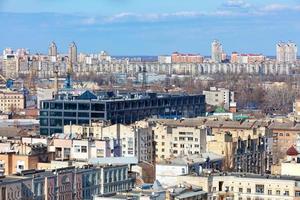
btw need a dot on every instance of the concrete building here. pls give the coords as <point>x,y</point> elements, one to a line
<point>11,101</point>
<point>135,140</point>
<point>168,170</point>
<point>286,52</point>
<point>186,58</point>
<point>284,135</point>
<point>67,183</point>
<point>220,97</point>
<point>165,59</point>
<point>117,108</point>
<point>10,64</point>
<point>246,146</point>
<point>52,52</point>
<point>73,53</point>
<point>175,138</point>
<point>216,51</point>
<point>18,156</point>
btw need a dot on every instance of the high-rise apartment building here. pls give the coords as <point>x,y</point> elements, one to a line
<point>52,51</point>
<point>286,52</point>
<point>73,52</point>
<point>10,64</point>
<point>216,51</point>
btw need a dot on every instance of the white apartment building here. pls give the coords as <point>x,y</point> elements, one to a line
<point>216,51</point>
<point>127,140</point>
<point>179,137</point>
<point>286,52</point>
<point>220,97</point>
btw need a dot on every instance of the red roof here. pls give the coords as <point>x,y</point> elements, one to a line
<point>292,151</point>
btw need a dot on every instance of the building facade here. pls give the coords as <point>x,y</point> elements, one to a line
<point>11,101</point>
<point>88,108</point>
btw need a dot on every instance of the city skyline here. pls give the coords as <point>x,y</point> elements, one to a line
<point>152,28</point>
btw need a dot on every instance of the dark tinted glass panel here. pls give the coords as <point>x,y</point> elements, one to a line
<point>70,114</point>
<point>44,122</point>
<point>56,105</point>
<point>70,106</point>
<point>98,107</point>
<point>55,130</point>
<point>44,131</point>
<point>56,114</point>
<point>44,113</point>
<point>82,114</point>
<point>94,115</point>
<point>45,105</point>
<point>83,121</point>
<point>69,121</point>
<point>83,106</point>
<point>55,122</point>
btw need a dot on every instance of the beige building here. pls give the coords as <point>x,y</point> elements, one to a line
<point>246,186</point>
<point>11,101</point>
<point>231,138</point>
<point>179,137</point>
<point>10,66</point>
<point>134,140</point>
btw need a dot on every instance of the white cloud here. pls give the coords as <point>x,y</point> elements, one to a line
<point>237,4</point>
<point>89,21</point>
<point>276,7</point>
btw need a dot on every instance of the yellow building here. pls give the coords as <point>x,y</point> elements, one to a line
<point>11,101</point>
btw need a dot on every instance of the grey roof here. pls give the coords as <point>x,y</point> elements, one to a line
<point>196,158</point>
<point>114,160</point>
<point>157,186</point>
<point>190,194</point>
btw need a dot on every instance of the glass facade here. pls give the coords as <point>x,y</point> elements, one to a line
<point>54,114</point>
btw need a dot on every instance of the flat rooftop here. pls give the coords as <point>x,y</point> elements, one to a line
<point>119,96</point>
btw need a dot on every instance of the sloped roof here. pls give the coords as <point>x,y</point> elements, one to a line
<point>292,151</point>
<point>87,95</point>
<point>157,186</point>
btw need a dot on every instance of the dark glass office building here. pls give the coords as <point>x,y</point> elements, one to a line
<point>121,108</point>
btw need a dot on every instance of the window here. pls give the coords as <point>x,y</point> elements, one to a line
<point>83,106</point>
<point>183,170</point>
<point>82,114</point>
<point>269,192</point>
<point>287,134</point>
<point>77,149</point>
<point>181,145</point>
<point>163,144</point>
<point>175,145</point>
<point>277,192</point>
<point>259,189</point>
<point>241,190</point>
<point>286,193</point>
<point>248,190</point>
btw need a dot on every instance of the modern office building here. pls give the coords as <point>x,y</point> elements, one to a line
<point>117,108</point>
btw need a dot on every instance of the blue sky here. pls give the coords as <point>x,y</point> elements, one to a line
<point>149,27</point>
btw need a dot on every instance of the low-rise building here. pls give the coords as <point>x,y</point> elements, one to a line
<point>11,101</point>
<point>220,97</point>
